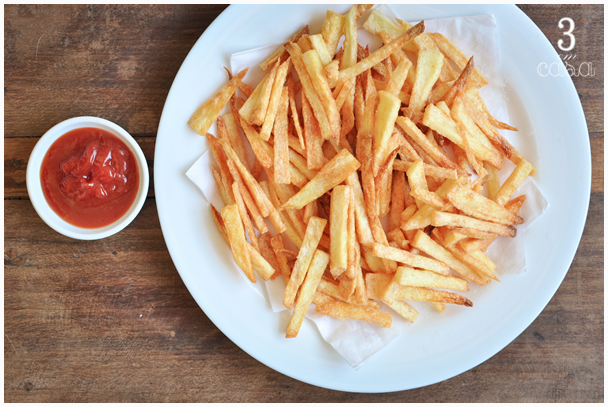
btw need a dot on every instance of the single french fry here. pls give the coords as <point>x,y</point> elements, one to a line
<point>255,108</point>
<point>342,311</point>
<point>278,54</point>
<point>397,199</point>
<point>281,143</point>
<point>451,219</point>
<point>277,246</point>
<point>353,255</point>
<point>314,231</point>
<point>236,237</point>
<point>493,181</point>
<point>461,83</point>
<point>383,184</point>
<point>256,144</point>
<point>332,30</point>
<point>259,264</point>
<point>423,278</point>
<point>227,199</point>
<point>338,223</point>
<point>267,252</point>
<point>419,188</point>
<point>386,114</point>
<point>309,287</point>
<point>344,94</point>
<point>205,115</point>
<point>398,77</point>
<point>398,292</point>
<point>517,177</point>
<point>477,261</point>
<point>332,174</point>
<point>428,70</point>
<point>319,45</point>
<point>312,135</point>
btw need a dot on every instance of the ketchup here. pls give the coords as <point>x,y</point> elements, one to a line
<point>89,177</point>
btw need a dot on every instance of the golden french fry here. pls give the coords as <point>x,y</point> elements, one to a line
<point>428,70</point>
<point>423,278</point>
<point>281,143</point>
<point>267,252</point>
<point>419,188</point>
<point>260,265</point>
<point>277,246</point>
<point>353,255</point>
<point>493,181</point>
<point>517,177</point>
<point>255,108</point>
<point>281,50</point>
<point>332,30</point>
<point>256,144</point>
<point>338,223</point>
<point>398,292</point>
<point>221,186</point>
<point>386,114</point>
<point>236,141</point>
<point>202,119</point>
<point>429,170</point>
<point>312,135</point>
<point>319,45</point>
<point>236,237</point>
<point>343,310</point>
<point>309,287</point>
<point>398,78</point>
<point>451,219</point>
<point>397,199</point>
<point>332,174</point>
<point>314,231</point>
<point>257,217</point>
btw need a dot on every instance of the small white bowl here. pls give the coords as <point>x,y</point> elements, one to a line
<point>34,186</point>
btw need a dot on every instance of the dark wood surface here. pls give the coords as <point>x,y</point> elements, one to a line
<point>111,320</point>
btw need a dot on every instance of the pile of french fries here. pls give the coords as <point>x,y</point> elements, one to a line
<point>345,137</point>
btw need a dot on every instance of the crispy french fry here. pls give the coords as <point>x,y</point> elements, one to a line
<point>332,174</point>
<point>309,287</point>
<point>332,30</point>
<point>267,252</point>
<point>428,70</point>
<point>259,264</point>
<point>236,237</point>
<point>422,278</point>
<point>376,284</point>
<point>312,135</point>
<point>342,311</point>
<point>221,186</point>
<point>517,177</point>
<point>429,170</point>
<point>398,292</point>
<point>256,216</point>
<point>255,108</point>
<point>236,141</point>
<point>353,255</point>
<point>397,199</point>
<point>386,114</point>
<point>451,219</point>
<point>338,222</point>
<point>277,246</point>
<point>314,230</point>
<point>281,143</point>
<point>205,115</point>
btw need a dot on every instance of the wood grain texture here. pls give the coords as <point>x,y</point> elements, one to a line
<point>111,320</point>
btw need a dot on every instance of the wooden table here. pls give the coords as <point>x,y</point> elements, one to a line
<point>111,320</point>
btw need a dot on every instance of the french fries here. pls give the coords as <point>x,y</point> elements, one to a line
<point>369,141</point>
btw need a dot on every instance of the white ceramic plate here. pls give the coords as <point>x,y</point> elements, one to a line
<point>545,108</point>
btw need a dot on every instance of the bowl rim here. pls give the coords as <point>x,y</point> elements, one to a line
<point>34,186</point>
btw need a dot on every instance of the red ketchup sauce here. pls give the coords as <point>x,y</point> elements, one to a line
<point>89,177</point>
